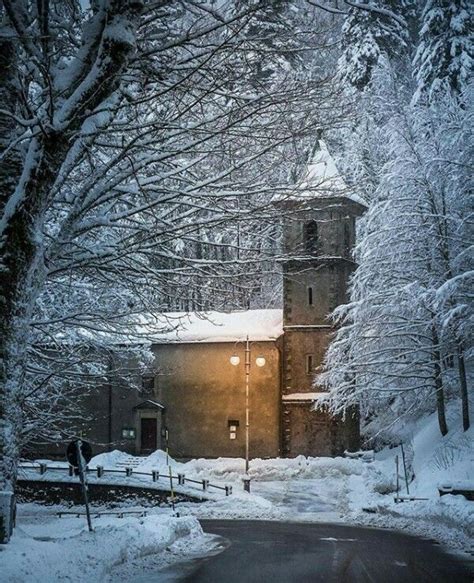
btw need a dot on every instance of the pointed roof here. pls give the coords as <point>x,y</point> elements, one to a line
<point>322,179</point>
<point>322,174</point>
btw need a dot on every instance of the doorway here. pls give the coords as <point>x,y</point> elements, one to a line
<point>149,434</point>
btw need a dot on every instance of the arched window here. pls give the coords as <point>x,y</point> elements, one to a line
<point>311,237</point>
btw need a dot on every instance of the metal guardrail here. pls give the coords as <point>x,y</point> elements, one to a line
<point>118,513</point>
<point>155,475</point>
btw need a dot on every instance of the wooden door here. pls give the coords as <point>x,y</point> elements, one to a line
<point>148,435</point>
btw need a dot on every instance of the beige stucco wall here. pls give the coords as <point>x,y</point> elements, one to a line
<point>202,391</point>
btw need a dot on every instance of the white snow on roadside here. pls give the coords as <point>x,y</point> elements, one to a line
<point>51,549</point>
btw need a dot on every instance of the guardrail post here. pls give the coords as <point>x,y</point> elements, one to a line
<point>181,479</point>
<point>71,471</point>
<point>43,468</point>
<point>100,471</point>
<point>155,474</point>
<point>205,485</point>
<point>128,472</point>
<point>228,490</point>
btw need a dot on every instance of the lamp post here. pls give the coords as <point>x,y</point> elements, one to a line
<point>235,361</point>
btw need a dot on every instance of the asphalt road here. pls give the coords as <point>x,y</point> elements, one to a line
<point>275,552</point>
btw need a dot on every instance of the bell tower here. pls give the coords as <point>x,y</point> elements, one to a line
<point>318,239</point>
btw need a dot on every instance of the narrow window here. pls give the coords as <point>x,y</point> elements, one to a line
<point>309,364</point>
<point>148,384</point>
<point>347,237</point>
<point>311,237</point>
<point>310,296</point>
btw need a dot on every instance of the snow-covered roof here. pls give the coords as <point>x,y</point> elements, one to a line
<point>184,327</point>
<point>304,396</point>
<point>181,327</point>
<point>322,172</point>
<point>322,179</point>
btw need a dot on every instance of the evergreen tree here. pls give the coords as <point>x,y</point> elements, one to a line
<point>374,30</point>
<point>445,54</point>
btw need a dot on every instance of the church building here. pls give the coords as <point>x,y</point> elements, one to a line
<point>216,372</point>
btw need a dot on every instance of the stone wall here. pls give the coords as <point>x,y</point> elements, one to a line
<point>316,277</point>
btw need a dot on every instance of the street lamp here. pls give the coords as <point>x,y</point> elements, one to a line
<point>235,361</point>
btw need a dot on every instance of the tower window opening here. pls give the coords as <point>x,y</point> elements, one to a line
<point>347,238</point>
<point>310,296</point>
<point>309,364</point>
<point>311,237</point>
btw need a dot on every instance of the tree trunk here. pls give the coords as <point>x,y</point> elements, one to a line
<point>10,171</point>
<point>21,278</point>
<point>463,384</point>
<point>438,380</point>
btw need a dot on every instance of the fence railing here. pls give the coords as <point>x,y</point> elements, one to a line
<point>155,475</point>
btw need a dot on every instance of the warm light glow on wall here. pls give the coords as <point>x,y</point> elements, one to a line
<point>234,360</point>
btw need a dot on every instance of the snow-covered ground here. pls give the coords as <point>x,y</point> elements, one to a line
<point>49,549</point>
<point>45,547</point>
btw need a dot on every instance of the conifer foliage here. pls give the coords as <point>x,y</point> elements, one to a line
<point>445,55</point>
<point>368,34</point>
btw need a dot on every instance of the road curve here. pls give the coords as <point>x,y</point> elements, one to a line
<point>276,552</point>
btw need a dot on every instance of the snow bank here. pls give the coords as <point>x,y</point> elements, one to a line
<point>158,460</point>
<point>63,550</point>
<point>233,469</point>
<point>433,461</point>
<point>110,459</point>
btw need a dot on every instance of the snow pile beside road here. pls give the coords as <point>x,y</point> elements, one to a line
<point>110,459</point>
<point>158,460</point>
<point>53,549</point>
<point>233,469</point>
<point>239,506</point>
